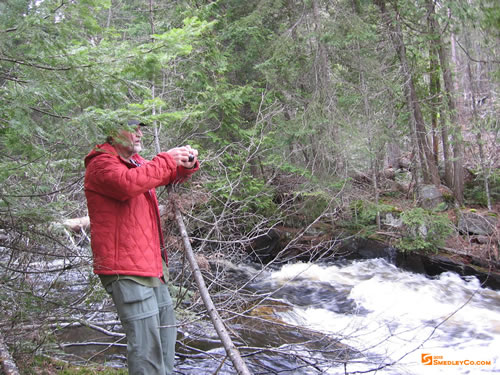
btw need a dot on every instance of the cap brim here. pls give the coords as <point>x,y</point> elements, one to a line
<point>135,123</point>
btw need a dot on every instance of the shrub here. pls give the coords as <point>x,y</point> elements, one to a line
<point>424,230</point>
<point>364,214</point>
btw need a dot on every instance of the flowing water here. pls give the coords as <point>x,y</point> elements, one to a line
<point>395,321</point>
<point>399,321</point>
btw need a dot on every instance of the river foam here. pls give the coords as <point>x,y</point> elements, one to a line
<point>404,322</point>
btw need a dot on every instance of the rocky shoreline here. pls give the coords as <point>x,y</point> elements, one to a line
<point>430,264</point>
<point>273,246</point>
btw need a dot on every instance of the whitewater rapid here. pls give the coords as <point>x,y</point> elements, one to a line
<point>402,322</point>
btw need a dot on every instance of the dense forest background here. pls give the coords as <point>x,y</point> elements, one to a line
<point>303,111</point>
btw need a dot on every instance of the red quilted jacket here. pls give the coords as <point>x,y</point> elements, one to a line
<point>123,210</point>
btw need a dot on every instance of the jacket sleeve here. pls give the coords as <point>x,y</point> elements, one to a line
<point>108,175</point>
<point>184,173</point>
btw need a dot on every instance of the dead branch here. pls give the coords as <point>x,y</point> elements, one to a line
<point>87,343</point>
<point>231,350</point>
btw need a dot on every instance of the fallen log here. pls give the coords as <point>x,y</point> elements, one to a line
<point>77,224</point>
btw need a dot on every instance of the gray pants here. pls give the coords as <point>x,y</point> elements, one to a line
<point>148,317</point>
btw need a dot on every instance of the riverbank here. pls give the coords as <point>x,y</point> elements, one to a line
<point>466,254</point>
<point>430,264</point>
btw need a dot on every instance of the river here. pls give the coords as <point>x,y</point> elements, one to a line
<point>395,316</point>
<point>396,322</point>
<point>399,322</point>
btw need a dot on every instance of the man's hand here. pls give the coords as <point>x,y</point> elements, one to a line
<point>185,156</point>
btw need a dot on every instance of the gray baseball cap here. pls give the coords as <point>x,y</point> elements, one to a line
<point>134,122</point>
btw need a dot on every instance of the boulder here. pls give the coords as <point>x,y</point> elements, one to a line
<point>477,224</point>
<point>429,196</point>
<point>392,220</point>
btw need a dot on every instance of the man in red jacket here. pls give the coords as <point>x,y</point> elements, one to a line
<point>127,241</point>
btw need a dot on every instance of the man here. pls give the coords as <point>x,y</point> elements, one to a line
<point>127,241</point>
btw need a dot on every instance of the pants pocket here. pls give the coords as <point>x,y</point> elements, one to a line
<point>133,301</point>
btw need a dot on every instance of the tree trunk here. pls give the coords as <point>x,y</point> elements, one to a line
<point>474,90</point>
<point>322,66</point>
<point>327,130</point>
<point>434,90</point>
<point>429,167</point>
<point>436,100</point>
<point>458,146</point>
<point>448,164</point>
<point>375,169</point>
<point>372,143</point>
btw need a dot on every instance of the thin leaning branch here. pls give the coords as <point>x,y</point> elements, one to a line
<point>231,350</point>
<point>50,114</point>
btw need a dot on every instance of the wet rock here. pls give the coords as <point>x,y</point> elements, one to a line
<point>264,330</point>
<point>363,248</point>
<point>431,264</point>
<point>284,244</point>
<point>276,246</point>
<point>266,246</point>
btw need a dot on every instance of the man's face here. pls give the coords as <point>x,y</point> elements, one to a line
<point>128,143</point>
